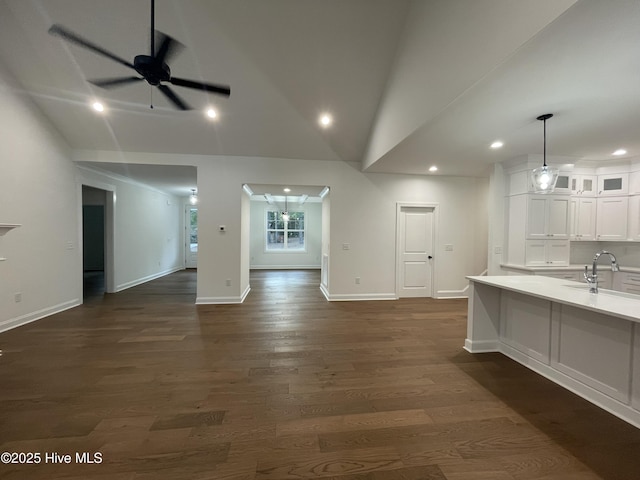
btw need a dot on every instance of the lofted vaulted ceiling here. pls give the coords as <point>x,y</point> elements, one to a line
<point>409,83</point>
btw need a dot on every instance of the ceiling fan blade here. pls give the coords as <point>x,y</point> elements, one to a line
<point>168,47</point>
<point>114,82</point>
<point>175,99</point>
<point>220,89</point>
<point>68,35</point>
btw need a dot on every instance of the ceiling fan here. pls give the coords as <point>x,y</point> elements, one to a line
<point>153,67</point>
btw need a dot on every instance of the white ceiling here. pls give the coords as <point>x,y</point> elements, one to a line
<point>409,83</point>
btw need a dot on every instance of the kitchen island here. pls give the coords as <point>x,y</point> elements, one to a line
<point>588,343</point>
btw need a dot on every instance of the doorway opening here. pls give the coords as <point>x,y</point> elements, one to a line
<point>93,241</point>
<point>285,228</point>
<point>96,220</point>
<point>191,236</point>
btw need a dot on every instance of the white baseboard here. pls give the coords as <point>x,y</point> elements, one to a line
<point>223,300</point>
<point>482,346</point>
<point>464,293</point>
<point>38,314</point>
<point>148,278</point>
<point>285,267</point>
<point>350,297</point>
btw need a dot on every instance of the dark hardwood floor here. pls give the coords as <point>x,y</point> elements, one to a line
<point>287,386</point>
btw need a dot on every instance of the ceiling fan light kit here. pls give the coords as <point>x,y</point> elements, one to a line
<point>153,67</point>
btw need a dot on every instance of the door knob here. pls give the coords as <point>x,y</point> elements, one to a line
<point>429,257</point>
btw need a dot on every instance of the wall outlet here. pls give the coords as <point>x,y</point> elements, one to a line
<point>17,297</point>
<point>228,282</point>
<point>448,247</point>
<point>497,250</point>
<point>357,280</point>
<point>346,246</point>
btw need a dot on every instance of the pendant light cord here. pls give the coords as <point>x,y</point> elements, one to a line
<point>544,119</point>
<point>544,143</point>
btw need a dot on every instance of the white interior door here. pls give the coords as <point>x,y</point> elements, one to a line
<point>415,251</point>
<point>191,237</point>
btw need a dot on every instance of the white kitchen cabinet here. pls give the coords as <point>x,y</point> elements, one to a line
<point>567,275</point>
<point>613,184</point>
<point>612,213</point>
<point>548,217</point>
<point>634,218</point>
<point>546,252</point>
<point>584,185</point>
<point>563,183</point>
<point>627,282</point>
<point>634,183</point>
<point>583,218</point>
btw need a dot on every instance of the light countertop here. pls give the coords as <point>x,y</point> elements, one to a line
<point>608,302</point>
<point>569,268</point>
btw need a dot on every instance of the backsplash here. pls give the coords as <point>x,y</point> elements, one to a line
<point>627,253</point>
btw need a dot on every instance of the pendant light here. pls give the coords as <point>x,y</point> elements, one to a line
<point>285,214</point>
<point>544,178</point>
<point>193,199</point>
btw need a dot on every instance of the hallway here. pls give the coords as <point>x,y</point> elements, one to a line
<point>287,386</point>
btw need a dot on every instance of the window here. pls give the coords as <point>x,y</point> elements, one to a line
<point>285,236</point>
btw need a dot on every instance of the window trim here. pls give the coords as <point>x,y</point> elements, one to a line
<point>273,208</point>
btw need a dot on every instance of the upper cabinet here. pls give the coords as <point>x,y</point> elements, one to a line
<point>548,217</point>
<point>563,183</point>
<point>583,218</point>
<point>613,184</point>
<point>634,183</point>
<point>612,216</point>
<point>584,185</point>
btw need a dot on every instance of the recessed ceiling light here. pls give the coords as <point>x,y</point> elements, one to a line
<point>326,120</point>
<point>620,151</point>
<point>433,169</point>
<point>97,106</point>
<point>211,113</point>
<point>287,190</point>
<point>497,144</point>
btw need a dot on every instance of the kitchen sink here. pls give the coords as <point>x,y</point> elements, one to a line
<point>604,291</point>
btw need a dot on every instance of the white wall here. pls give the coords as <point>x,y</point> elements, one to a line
<point>363,214</point>
<point>37,190</point>
<point>496,221</point>
<point>148,230</point>
<point>310,258</point>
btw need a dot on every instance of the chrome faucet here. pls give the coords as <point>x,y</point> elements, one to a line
<point>592,278</point>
